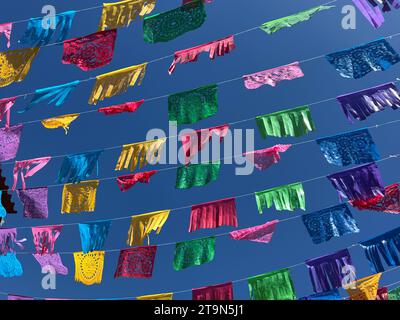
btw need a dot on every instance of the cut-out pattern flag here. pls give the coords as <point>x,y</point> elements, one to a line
<point>60,122</point>
<point>355,147</point>
<point>194,253</point>
<point>289,197</point>
<point>90,52</point>
<point>222,292</point>
<point>53,260</point>
<point>330,295</point>
<point>136,262</point>
<point>166,26</point>
<point>9,142</point>
<point>44,238</point>
<point>366,288</point>
<point>323,225</point>
<point>215,48</point>
<point>293,122</point>
<point>93,235</point>
<point>6,29</point>
<point>79,197</point>
<point>27,168</point>
<point>128,181</point>
<point>35,202</point>
<point>197,175</point>
<point>262,233</point>
<point>265,158</point>
<point>89,267</point>
<point>359,61</point>
<point>5,109</point>
<point>192,106</point>
<point>373,13</point>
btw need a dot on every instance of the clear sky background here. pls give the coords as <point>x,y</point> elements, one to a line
<point>255,51</point>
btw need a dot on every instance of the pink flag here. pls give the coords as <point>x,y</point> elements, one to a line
<point>213,215</point>
<point>273,76</point>
<point>262,233</point>
<point>30,167</point>
<point>5,109</point>
<point>6,29</point>
<point>215,48</point>
<point>125,107</point>
<point>265,158</point>
<point>44,238</point>
<point>194,142</point>
<point>218,292</point>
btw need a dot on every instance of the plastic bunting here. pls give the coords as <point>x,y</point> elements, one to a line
<point>121,108</point>
<point>382,294</point>
<point>289,21</point>
<point>262,233</point>
<point>277,285</point>
<point>53,95</point>
<point>5,110</point>
<point>394,294</point>
<point>128,181</point>
<point>373,13</point>
<point>120,14</point>
<point>273,76</point>
<point>40,30</point>
<point>15,65</point>
<point>289,197</point>
<point>142,225</point>
<point>9,264</point>
<point>28,168</point>
<point>360,183</point>
<point>197,175</point>
<point>116,82</point>
<point>365,288</point>
<point>389,202</point>
<point>51,263</point>
<point>359,61</point>
<point>326,272</point>
<point>323,225</point>
<point>362,104</point>
<point>222,292</point>
<point>213,215</point>
<point>93,235</point>
<point>77,167</point>
<point>9,142</point>
<point>160,296</point>
<point>35,202</point>
<point>265,158</point>
<point>6,29</point>
<point>60,122</point>
<point>192,106</point>
<point>80,197</point>
<point>136,262</point>
<point>89,267</point>
<point>215,48</point>
<point>140,153</point>
<point>166,26</point>
<point>355,147</point>
<point>293,122</point>
<point>195,141</point>
<point>194,253</point>
<point>92,51</point>
<point>44,238</point>
<point>330,295</point>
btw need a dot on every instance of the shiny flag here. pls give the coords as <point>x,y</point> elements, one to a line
<point>80,197</point>
<point>27,168</point>
<point>9,142</point>
<point>197,175</point>
<point>93,235</point>
<point>265,158</point>
<point>373,13</point>
<point>5,109</point>
<point>136,262</point>
<point>194,253</point>
<point>34,202</point>
<point>222,292</point>
<point>126,182</point>
<point>45,238</point>
<point>365,288</point>
<point>89,267</point>
<point>159,296</point>
<point>262,233</point>
<point>60,122</point>
<point>121,108</point>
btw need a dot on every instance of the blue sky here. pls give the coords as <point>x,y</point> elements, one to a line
<point>255,51</point>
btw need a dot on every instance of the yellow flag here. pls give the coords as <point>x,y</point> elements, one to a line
<point>60,122</point>
<point>110,84</point>
<point>15,65</point>
<point>120,14</point>
<point>142,225</point>
<point>140,153</point>
<point>89,267</point>
<point>161,296</point>
<point>79,197</point>
<point>365,288</point>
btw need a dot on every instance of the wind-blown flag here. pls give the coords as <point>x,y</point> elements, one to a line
<point>289,21</point>
<point>289,197</point>
<point>121,108</point>
<point>273,76</point>
<point>9,142</point>
<point>35,202</point>
<point>365,288</point>
<point>60,122</point>
<point>78,167</point>
<point>40,30</point>
<point>223,292</point>
<point>262,233</point>
<point>194,253</point>
<point>93,235</point>
<point>116,82</point>
<point>323,225</point>
<point>140,153</point>
<point>136,262</point>
<point>215,48</point>
<point>5,109</point>
<point>192,106</point>
<point>197,175</point>
<point>90,52</point>
<point>265,158</point>
<point>51,260</point>
<point>361,183</point>
<point>80,197</point>
<point>89,267</point>
<point>45,238</point>
<point>359,61</point>
<point>362,104</point>
<point>293,122</point>
<point>6,29</point>
<point>28,168</point>
<point>330,295</point>
<point>373,13</point>
<point>159,296</point>
<point>15,65</point>
<point>53,95</point>
<point>277,285</point>
<point>9,264</point>
<point>356,147</point>
<point>120,14</point>
<point>128,181</point>
<point>166,26</point>
<point>213,215</point>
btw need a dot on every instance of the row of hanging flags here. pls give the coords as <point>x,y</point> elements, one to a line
<point>362,185</point>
